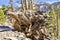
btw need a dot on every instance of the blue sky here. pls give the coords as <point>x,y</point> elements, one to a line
<point>6,2</point>
<point>48,1</point>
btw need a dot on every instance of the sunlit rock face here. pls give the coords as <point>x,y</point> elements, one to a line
<point>42,6</point>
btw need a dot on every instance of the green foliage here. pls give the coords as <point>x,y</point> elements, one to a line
<point>52,20</point>
<point>2,16</point>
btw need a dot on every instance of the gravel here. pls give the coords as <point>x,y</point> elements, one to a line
<point>13,35</point>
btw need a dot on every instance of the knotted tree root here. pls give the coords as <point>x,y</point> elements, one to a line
<point>30,24</point>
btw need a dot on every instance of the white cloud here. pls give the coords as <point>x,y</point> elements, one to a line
<point>0,6</point>
<point>19,5</point>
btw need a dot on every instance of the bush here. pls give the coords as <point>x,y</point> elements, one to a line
<point>2,16</point>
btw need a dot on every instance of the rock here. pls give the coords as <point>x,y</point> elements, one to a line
<point>27,39</point>
<point>5,28</point>
<point>13,35</point>
<point>11,38</point>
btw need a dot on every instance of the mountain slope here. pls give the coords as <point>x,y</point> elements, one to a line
<point>56,4</point>
<point>42,6</point>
